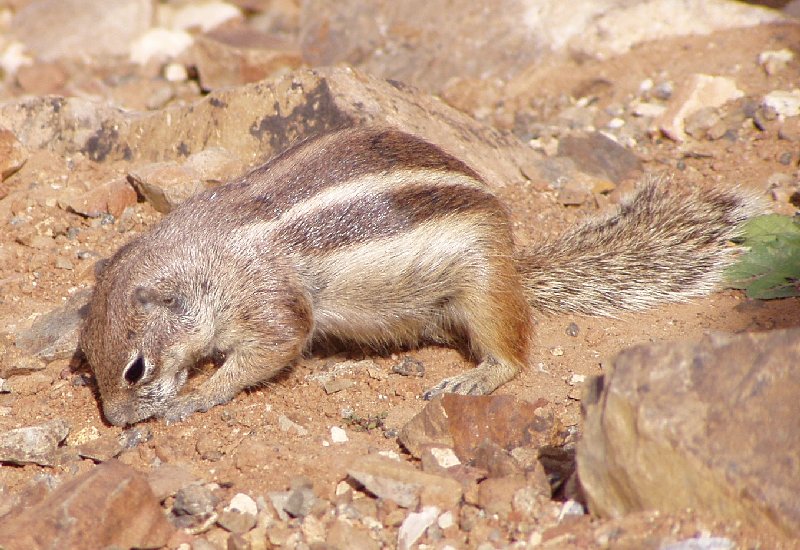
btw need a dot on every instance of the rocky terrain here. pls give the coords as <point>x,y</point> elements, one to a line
<point>675,428</point>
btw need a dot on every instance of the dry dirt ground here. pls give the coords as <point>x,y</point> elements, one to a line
<point>31,282</point>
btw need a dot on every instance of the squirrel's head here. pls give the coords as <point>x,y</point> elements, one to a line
<point>137,334</point>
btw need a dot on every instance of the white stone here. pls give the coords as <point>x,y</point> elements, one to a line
<point>786,104</point>
<point>446,520</point>
<point>342,488</point>
<point>390,454</point>
<point>774,60</point>
<point>338,435</point>
<point>415,525</point>
<point>577,379</point>
<point>176,72</point>
<point>616,123</point>
<point>651,110</point>
<point>13,57</point>
<point>85,435</point>
<point>198,15</point>
<point>605,29</point>
<point>571,508</point>
<point>160,44</point>
<point>243,504</point>
<point>445,457</point>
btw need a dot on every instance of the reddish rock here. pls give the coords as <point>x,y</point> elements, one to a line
<point>497,461</point>
<point>496,495</point>
<point>168,479</point>
<point>42,78</point>
<point>600,156</point>
<point>463,422</point>
<point>101,449</point>
<point>111,505</point>
<point>230,59</point>
<point>711,426</point>
<point>111,197</point>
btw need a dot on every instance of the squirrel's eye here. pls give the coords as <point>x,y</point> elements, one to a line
<point>135,370</point>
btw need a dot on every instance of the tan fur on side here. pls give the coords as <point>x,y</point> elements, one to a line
<point>374,238</point>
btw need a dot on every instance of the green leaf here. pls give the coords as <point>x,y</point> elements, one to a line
<point>771,266</point>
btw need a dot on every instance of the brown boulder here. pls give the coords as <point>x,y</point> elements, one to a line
<point>711,426</point>
<point>111,505</point>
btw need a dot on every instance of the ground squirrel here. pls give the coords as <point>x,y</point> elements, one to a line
<point>377,238</point>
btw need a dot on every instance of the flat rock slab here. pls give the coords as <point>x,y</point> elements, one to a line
<point>712,426</point>
<point>54,335</point>
<point>33,444</point>
<point>111,505</point>
<point>464,422</point>
<point>403,484</point>
<point>260,120</point>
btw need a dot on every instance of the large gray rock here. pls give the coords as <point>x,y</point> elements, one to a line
<point>712,426</point>
<point>427,43</point>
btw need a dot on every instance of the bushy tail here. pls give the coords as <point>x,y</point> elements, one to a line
<point>665,243</point>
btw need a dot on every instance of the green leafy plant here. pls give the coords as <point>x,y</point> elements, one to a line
<point>367,423</point>
<point>771,266</point>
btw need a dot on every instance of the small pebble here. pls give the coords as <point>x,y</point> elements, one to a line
<point>176,72</point>
<point>573,329</point>
<point>194,500</point>
<point>287,425</point>
<point>446,520</point>
<point>663,90</point>
<point>577,379</point>
<point>409,367</point>
<point>338,384</point>
<point>571,508</point>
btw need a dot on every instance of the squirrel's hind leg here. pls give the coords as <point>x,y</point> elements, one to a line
<point>495,316</point>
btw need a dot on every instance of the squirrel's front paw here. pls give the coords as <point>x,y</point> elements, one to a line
<point>181,408</point>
